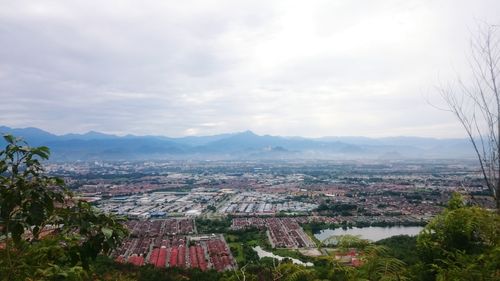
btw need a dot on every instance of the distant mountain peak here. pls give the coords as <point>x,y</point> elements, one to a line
<point>95,133</point>
<point>239,145</point>
<point>248,133</point>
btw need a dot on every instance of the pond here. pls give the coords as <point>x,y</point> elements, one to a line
<point>262,253</point>
<point>373,233</point>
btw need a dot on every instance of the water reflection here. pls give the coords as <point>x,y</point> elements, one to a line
<point>373,233</point>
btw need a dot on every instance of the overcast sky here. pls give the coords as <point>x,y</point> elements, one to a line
<point>293,68</point>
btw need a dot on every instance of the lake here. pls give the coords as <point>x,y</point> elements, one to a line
<point>373,233</point>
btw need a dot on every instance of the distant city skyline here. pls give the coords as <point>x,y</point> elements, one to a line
<point>287,68</point>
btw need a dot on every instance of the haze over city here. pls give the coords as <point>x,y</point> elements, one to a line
<point>290,68</point>
<point>227,140</point>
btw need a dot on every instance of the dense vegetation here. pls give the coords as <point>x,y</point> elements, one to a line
<point>213,226</point>
<point>402,247</point>
<point>47,235</point>
<point>343,209</point>
<point>241,244</point>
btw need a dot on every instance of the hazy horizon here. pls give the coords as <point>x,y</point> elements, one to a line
<point>227,133</point>
<point>309,69</point>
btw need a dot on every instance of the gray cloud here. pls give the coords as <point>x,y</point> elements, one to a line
<point>204,67</point>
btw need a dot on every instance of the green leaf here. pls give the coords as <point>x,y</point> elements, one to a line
<point>36,231</point>
<point>9,138</point>
<point>107,232</point>
<point>41,151</point>
<point>17,231</point>
<point>36,212</point>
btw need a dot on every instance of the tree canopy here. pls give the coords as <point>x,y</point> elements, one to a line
<point>462,241</point>
<point>46,234</point>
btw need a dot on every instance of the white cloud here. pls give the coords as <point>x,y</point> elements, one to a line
<point>205,67</point>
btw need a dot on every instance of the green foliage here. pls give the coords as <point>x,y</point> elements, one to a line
<point>292,272</point>
<point>337,208</point>
<point>456,202</point>
<point>47,259</point>
<point>241,243</point>
<point>213,226</point>
<point>460,240</point>
<point>469,229</point>
<point>316,227</point>
<point>96,232</point>
<point>27,197</point>
<point>461,266</point>
<point>402,247</point>
<point>33,204</point>
<point>378,264</point>
<point>345,242</point>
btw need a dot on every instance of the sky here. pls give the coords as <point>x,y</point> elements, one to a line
<point>290,68</point>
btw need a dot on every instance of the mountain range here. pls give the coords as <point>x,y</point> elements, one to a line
<point>238,146</point>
